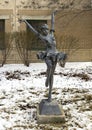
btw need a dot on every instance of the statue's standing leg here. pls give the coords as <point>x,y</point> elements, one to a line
<point>51,81</point>
<point>50,84</point>
<point>47,79</point>
<point>51,65</point>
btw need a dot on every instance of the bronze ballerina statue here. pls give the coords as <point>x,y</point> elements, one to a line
<point>51,56</point>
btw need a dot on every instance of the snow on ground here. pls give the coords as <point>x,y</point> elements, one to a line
<point>22,88</point>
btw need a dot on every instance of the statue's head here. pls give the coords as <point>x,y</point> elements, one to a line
<point>45,29</point>
<point>44,26</point>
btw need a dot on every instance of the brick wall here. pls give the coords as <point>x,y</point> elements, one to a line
<point>80,26</point>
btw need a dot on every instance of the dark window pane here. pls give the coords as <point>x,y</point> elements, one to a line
<point>34,43</point>
<point>2,34</point>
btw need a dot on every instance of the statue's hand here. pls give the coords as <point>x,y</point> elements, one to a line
<point>55,11</point>
<point>21,20</point>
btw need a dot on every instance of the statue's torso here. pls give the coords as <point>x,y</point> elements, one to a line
<point>50,43</point>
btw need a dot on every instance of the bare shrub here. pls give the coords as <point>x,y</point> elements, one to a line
<point>22,46</point>
<point>67,44</point>
<point>5,46</point>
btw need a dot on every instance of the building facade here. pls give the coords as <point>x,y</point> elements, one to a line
<point>73,19</point>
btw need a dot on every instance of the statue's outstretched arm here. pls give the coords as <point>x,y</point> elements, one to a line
<point>30,26</point>
<point>32,29</point>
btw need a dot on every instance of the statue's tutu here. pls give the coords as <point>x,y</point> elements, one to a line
<point>58,56</point>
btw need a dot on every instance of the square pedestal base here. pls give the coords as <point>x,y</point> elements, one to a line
<point>50,112</point>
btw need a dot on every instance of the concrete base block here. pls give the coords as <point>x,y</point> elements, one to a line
<point>50,112</point>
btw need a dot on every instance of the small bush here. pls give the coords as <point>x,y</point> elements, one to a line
<point>68,44</point>
<point>5,46</point>
<point>22,46</point>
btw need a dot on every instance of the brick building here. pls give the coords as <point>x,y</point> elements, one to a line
<point>75,19</point>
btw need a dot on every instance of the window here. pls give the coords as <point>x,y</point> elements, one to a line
<point>2,34</point>
<point>34,43</point>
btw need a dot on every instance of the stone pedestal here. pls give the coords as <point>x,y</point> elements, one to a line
<point>50,112</point>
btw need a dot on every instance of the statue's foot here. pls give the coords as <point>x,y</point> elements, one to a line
<point>49,100</point>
